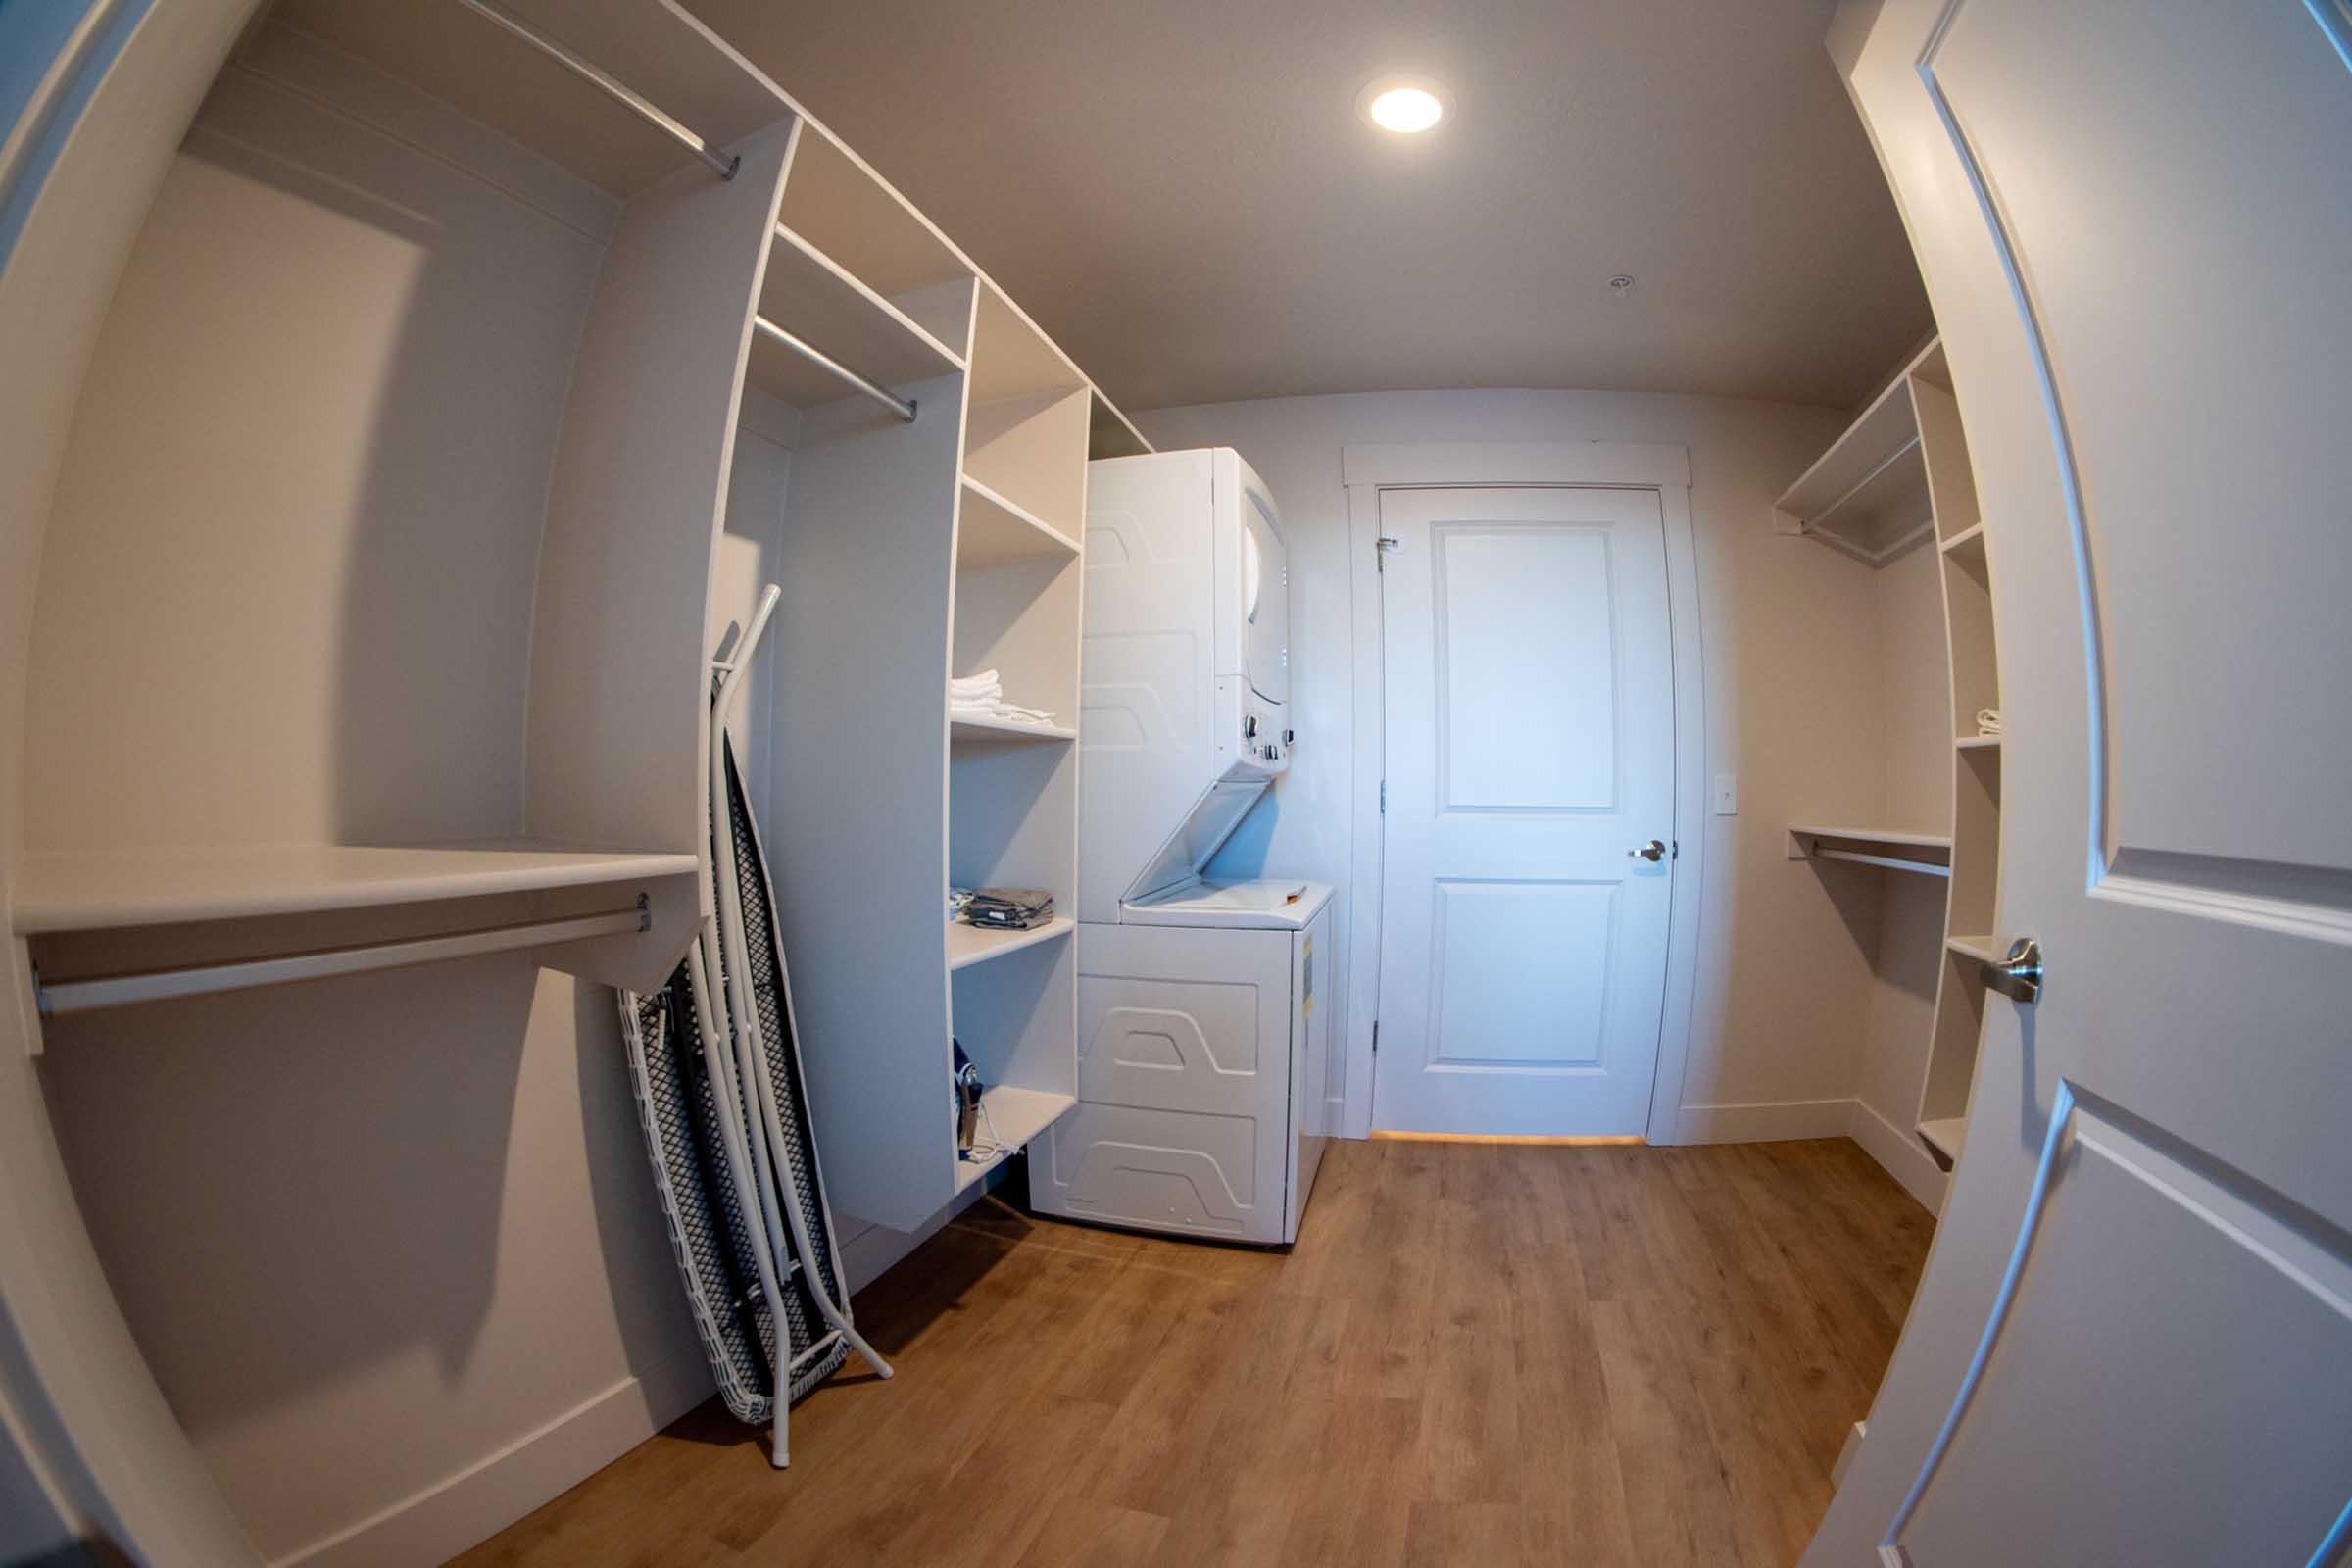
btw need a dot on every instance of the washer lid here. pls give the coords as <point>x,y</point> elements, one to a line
<point>1272,904</point>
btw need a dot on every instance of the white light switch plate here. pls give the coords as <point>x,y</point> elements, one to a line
<point>1726,795</point>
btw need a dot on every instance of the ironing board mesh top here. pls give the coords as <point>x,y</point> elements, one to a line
<point>767,983</point>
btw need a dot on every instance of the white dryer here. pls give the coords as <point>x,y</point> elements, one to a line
<point>1204,1042</point>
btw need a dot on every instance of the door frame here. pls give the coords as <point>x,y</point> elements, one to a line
<point>1366,471</point>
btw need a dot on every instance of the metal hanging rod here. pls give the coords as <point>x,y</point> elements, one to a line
<point>119,990</point>
<point>825,361</point>
<point>723,164</point>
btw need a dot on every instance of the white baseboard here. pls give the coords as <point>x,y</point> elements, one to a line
<point>1766,1122</point>
<point>1900,1153</point>
<point>483,1498</point>
<point>1904,1156</point>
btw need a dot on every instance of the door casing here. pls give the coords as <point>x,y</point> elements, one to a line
<point>1366,471</point>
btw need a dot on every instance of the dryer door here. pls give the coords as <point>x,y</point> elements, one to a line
<point>1265,595</point>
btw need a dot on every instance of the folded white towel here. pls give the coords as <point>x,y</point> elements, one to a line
<point>982,686</point>
<point>1002,713</point>
<point>1989,721</point>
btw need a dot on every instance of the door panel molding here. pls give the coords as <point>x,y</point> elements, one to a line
<point>2313,900</point>
<point>2282,1244</point>
<point>1367,471</point>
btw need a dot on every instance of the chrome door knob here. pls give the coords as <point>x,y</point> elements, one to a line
<point>1653,851</point>
<point>2020,978</point>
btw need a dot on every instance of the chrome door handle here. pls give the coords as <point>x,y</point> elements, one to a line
<point>2018,979</point>
<point>1653,851</point>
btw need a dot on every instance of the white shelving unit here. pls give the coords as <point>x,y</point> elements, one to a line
<point>1898,476</point>
<point>914,553</point>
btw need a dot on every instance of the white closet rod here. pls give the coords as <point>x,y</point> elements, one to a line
<point>157,985</point>
<point>723,165</point>
<point>825,361</point>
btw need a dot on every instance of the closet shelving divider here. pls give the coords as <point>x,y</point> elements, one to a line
<point>493,813</point>
<point>914,551</point>
<point>1898,476</point>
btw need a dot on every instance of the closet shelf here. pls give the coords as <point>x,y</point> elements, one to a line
<point>1963,539</point>
<point>811,296</point>
<point>1978,742</point>
<point>1005,732</point>
<point>105,889</point>
<point>1867,495</point>
<point>1894,849</point>
<point>1945,1135</point>
<point>1018,1115</point>
<point>1971,947</point>
<point>994,531</point>
<point>968,944</point>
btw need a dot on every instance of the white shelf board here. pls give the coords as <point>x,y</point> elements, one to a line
<point>1978,743</point>
<point>1971,536</point>
<point>1018,1115</point>
<point>968,944</point>
<point>1003,731</point>
<point>994,531</point>
<point>1945,1135</point>
<point>136,887</point>
<point>1973,947</point>
<point>1874,846</point>
<point>492,77</point>
<point>815,298</point>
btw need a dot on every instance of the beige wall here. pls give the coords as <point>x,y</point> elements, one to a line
<point>1794,703</point>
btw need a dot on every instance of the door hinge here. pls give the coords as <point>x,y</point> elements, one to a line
<point>1376,1037</point>
<point>1676,853</point>
<point>1385,545</point>
<point>1383,797</point>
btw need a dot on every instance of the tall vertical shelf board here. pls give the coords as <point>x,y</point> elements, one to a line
<point>618,725</point>
<point>1897,479</point>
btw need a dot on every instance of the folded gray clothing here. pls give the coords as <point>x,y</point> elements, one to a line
<point>1011,909</point>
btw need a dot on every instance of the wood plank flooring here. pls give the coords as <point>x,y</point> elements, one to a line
<point>1475,1353</point>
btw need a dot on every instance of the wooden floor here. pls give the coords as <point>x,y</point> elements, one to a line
<point>1475,1354</point>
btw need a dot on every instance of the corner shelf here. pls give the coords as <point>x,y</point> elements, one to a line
<point>1891,848</point>
<point>968,944</point>
<point>1868,496</point>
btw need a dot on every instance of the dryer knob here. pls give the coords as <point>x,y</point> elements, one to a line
<point>1249,728</point>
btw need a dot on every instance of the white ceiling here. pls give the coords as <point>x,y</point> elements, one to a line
<point>1181,193</point>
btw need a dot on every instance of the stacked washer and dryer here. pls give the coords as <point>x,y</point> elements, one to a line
<point>1204,1038</point>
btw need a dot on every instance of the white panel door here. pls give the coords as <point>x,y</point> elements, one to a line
<point>1530,740</point>
<point>2134,1339</point>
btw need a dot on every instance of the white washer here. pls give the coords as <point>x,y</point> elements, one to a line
<point>1204,1042</point>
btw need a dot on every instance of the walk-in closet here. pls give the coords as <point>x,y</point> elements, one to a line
<point>1062,785</point>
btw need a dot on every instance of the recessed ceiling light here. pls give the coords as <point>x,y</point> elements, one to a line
<point>1405,105</point>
